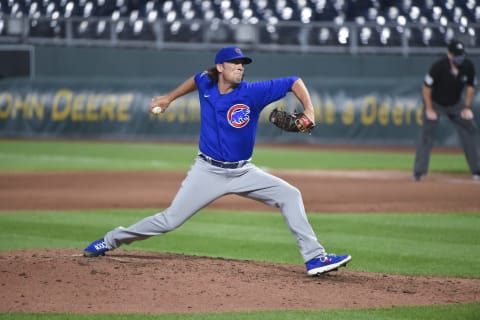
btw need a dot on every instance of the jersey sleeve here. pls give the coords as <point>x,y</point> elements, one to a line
<point>201,79</point>
<point>266,92</point>
<point>471,76</point>
<point>431,75</point>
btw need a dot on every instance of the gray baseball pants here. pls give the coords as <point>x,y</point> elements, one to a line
<point>467,131</point>
<point>205,183</point>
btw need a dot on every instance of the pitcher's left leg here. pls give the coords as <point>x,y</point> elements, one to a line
<point>259,185</point>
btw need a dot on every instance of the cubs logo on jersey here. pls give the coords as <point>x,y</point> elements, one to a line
<point>238,115</point>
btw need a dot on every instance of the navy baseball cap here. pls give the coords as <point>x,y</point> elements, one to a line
<point>456,48</point>
<point>231,53</point>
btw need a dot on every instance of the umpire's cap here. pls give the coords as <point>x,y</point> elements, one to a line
<point>456,48</point>
<point>231,53</point>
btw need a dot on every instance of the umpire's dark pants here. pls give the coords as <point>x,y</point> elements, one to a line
<point>467,131</point>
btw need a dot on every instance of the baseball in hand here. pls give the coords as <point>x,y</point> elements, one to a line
<point>156,110</point>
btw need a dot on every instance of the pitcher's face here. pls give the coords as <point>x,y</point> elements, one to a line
<point>232,71</point>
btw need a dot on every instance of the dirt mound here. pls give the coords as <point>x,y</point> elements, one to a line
<point>60,280</point>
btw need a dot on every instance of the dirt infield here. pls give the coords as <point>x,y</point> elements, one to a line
<point>141,282</point>
<point>323,191</point>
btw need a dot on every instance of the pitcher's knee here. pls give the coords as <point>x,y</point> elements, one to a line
<point>291,193</point>
<point>167,221</point>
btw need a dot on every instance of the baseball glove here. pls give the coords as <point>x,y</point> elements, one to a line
<point>296,122</point>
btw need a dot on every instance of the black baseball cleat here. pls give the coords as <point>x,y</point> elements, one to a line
<point>418,176</point>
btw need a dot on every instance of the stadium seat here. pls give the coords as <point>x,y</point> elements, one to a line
<point>379,23</point>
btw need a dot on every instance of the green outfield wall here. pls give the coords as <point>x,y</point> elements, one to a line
<point>104,94</point>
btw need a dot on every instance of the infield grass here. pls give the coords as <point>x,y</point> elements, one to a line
<point>444,312</point>
<point>19,155</point>
<point>415,244</point>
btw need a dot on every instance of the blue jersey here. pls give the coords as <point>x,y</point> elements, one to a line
<point>229,121</point>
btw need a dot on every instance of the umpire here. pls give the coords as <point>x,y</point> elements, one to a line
<point>444,94</point>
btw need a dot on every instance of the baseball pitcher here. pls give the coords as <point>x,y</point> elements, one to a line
<point>230,110</point>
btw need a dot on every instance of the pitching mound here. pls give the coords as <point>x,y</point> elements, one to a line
<point>139,282</point>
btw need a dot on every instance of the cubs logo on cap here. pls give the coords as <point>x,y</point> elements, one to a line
<point>231,53</point>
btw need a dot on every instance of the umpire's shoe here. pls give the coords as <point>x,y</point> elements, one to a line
<point>326,263</point>
<point>418,176</point>
<point>96,248</point>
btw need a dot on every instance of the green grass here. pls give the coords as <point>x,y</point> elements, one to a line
<point>416,244</point>
<point>450,312</point>
<point>99,156</point>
